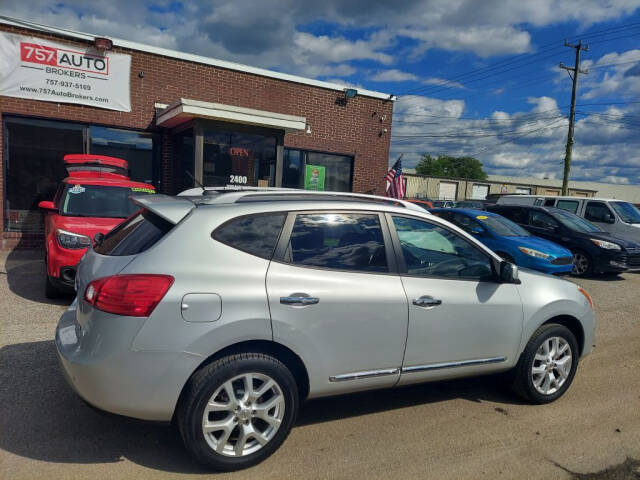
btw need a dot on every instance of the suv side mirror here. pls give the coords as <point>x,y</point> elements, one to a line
<point>608,218</point>
<point>508,272</point>
<point>47,206</point>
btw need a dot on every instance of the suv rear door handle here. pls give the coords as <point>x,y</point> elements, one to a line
<point>298,299</point>
<point>427,301</point>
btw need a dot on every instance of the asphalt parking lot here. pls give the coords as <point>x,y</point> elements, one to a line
<point>458,430</point>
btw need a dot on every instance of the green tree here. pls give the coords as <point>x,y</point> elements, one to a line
<point>448,166</point>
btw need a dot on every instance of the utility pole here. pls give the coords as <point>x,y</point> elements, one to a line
<point>572,114</point>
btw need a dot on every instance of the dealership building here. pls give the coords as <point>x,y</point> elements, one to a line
<point>172,115</point>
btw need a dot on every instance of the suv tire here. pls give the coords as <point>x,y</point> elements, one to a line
<point>549,362</point>
<point>209,388</point>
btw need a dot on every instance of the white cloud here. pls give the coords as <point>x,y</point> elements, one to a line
<point>613,73</point>
<point>392,75</point>
<point>338,49</point>
<point>484,41</point>
<point>442,81</point>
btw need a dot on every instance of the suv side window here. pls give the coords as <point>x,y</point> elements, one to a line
<point>549,202</point>
<point>339,241</point>
<point>433,251</point>
<point>597,212</point>
<point>254,234</point>
<point>568,205</point>
<point>543,220</point>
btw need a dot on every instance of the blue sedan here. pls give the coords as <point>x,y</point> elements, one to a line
<point>510,240</point>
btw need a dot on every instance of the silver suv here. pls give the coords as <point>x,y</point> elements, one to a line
<point>223,311</point>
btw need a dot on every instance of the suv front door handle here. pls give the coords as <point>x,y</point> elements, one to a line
<point>427,301</point>
<point>299,299</point>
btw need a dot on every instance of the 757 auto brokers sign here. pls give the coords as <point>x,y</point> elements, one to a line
<point>54,72</point>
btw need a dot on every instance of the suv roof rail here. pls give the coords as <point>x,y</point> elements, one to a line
<point>229,195</point>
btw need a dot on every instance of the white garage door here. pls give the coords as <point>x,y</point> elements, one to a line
<point>523,190</point>
<point>479,192</point>
<point>447,190</point>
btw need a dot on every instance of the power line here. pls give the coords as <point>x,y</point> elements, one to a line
<point>517,58</point>
<point>455,117</point>
<point>492,147</point>
<point>463,135</point>
<point>433,90</point>
<point>604,104</point>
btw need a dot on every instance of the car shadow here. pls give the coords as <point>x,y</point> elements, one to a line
<point>606,277</point>
<point>25,271</point>
<point>42,419</point>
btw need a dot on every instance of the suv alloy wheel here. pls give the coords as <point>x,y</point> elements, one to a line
<point>238,410</point>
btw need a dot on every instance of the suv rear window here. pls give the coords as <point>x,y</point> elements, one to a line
<point>135,235</point>
<point>254,234</point>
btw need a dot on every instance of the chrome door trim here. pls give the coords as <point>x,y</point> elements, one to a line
<point>366,374</point>
<point>462,363</point>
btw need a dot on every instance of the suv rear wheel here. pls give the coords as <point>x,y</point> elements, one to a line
<point>238,410</point>
<point>548,364</point>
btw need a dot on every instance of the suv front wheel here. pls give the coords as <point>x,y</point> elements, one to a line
<point>548,364</point>
<point>238,410</point>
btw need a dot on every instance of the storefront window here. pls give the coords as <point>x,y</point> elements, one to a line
<point>238,158</point>
<point>137,148</point>
<point>293,169</point>
<point>336,170</point>
<point>34,167</point>
<point>185,159</point>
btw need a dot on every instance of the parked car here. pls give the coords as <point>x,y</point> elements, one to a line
<point>224,311</point>
<point>421,203</point>
<point>617,217</point>
<point>594,250</point>
<point>512,242</point>
<point>93,199</point>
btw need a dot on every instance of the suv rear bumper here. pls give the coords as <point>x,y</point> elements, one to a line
<point>100,366</point>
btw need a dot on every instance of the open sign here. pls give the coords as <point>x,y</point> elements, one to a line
<point>239,152</point>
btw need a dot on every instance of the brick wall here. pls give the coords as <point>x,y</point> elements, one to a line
<point>351,129</point>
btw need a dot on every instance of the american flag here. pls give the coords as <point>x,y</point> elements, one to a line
<point>395,180</point>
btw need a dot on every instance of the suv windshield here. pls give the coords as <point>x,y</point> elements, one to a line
<point>99,201</point>
<point>575,222</point>
<point>628,212</point>
<point>502,226</point>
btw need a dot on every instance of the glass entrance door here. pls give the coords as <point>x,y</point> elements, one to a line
<point>238,158</point>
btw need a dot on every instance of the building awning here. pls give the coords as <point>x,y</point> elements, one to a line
<point>185,109</point>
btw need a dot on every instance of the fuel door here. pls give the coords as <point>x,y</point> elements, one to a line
<point>201,307</point>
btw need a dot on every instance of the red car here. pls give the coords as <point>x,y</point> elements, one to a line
<point>93,199</point>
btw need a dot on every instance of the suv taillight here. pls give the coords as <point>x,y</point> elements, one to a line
<point>133,295</point>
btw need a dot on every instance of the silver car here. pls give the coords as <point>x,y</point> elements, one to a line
<point>223,311</point>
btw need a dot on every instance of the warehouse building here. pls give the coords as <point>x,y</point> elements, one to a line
<point>172,115</point>
<point>446,188</point>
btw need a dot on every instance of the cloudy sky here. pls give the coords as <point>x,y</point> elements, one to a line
<point>473,77</point>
